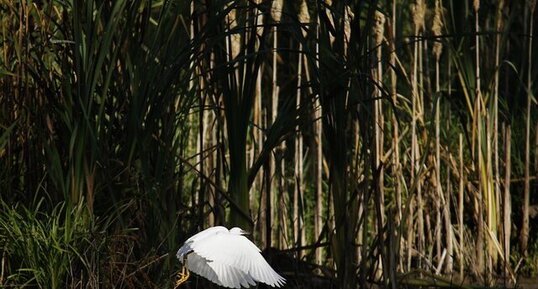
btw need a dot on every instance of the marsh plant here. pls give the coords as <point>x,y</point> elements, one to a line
<point>386,142</point>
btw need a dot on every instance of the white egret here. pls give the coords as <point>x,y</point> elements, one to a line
<point>226,258</point>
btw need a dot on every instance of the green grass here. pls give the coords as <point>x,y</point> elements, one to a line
<point>45,247</point>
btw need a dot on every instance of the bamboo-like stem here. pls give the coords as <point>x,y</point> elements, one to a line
<point>279,230</point>
<point>396,164</point>
<point>418,19</point>
<point>478,122</point>
<point>526,193</point>
<point>319,159</point>
<point>448,225</point>
<point>318,179</point>
<point>507,201</point>
<point>536,151</point>
<point>378,31</point>
<point>264,219</point>
<point>499,24</point>
<point>423,222</point>
<point>297,198</point>
<point>437,48</point>
<point>394,98</point>
<point>378,109</point>
<point>460,209</point>
<point>202,130</point>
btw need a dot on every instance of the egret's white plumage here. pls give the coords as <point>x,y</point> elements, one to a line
<point>227,258</point>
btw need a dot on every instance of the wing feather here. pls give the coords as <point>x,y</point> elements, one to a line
<point>230,276</point>
<point>207,233</point>
<point>200,266</point>
<point>238,252</point>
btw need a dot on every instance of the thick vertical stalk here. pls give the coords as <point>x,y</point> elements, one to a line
<point>460,208</point>
<point>202,126</point>
<point>395,126</point>
<point>437,49</point>
<point>272,181</point>
<point>319,162</point>
<point>497,182</point>
<point>507,199</point>
<point>318,180</point>
<point>396,165</point>
<point>524,239</point>
<point>418,21</point>
<point>378,109</point>
<point>298,226</point>
<point>258,145</point>
<point>480,155</point>
<point>378,33</point>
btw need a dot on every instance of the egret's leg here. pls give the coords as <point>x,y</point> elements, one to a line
<point>182,276</point>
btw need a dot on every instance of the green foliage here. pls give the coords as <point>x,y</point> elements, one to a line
<point>42,247</point>
<point>130,117</point>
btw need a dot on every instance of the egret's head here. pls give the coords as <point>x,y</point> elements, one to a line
<point>238,231</point>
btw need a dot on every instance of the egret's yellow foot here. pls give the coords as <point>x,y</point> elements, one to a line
<point>182,276</point>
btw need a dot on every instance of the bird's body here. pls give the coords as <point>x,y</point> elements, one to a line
<point>227,258</point>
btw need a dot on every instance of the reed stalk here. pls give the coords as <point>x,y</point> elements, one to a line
<point>378,34</point>
<point>524,235</point>
<point>497,181</point>
<point>276,14</point>
<point>461,209</point>
<point>507,200</point>
<point>318,138</point>
<point>418,12</point>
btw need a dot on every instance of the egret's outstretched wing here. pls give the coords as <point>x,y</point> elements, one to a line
<point>236,251</point>
<point>207,233</point>
<point>200,266</point>
<point>218,273</point>
<point>230,276</point>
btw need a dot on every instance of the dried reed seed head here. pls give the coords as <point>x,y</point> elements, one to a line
<point>418,10</point>
<point>379,27</point>
<point>348,18</point>
<point>276,10</point>
<point>476,5</point>
<point>304,15</point>
<point>437,25</point>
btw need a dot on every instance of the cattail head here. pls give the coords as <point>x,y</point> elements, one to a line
<point>276,10</point>
<point>476,5</point>
<point>437,25</point>
<point>379,27</point>
<point>418,10</point>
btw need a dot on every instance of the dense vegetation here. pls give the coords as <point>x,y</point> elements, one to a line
<point>389,142</point>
